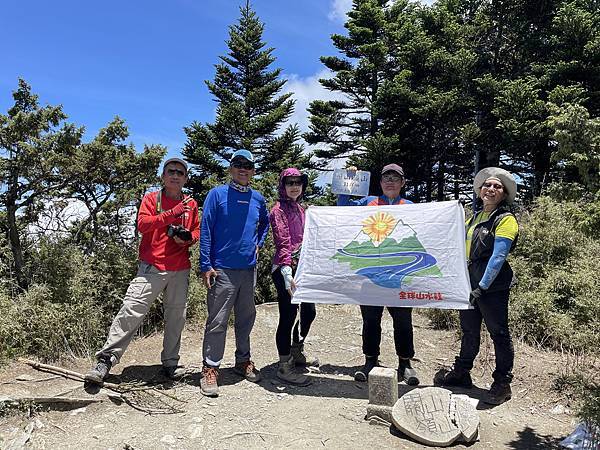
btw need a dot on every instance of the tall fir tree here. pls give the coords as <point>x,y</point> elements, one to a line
<point>341,128</point>
<point>250,111</point>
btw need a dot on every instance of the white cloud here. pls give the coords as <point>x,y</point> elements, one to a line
<point>304,91</point>
<point>339,9</point>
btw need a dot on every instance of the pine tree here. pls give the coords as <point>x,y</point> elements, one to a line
<point>339,127</point>
<point>250,110</point>
<point>34,154</point>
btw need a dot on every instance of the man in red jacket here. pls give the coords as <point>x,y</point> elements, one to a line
<point>169,224</point>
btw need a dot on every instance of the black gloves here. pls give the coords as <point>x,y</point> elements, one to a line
<point>475,295</point>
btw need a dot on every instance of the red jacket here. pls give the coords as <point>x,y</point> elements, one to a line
<point>156,247</point>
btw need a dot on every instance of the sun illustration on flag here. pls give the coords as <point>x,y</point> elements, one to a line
<point>379,226</point>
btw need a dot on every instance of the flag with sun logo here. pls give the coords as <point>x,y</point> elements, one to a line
<point>404,255</point>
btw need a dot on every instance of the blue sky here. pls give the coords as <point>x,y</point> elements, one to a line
<point>146,61</point>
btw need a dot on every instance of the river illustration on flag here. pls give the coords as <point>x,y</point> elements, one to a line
<point>410,255</point>
<point>388,252</point>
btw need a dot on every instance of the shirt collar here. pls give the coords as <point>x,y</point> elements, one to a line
<point>239,187</point>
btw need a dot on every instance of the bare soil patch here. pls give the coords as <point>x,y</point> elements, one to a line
<point>327,414</point>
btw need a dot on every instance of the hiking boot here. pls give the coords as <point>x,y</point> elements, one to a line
<point>407,373</point>
<point>498,394</point>
<point>247,370</point>
<point>363,373</point>
<point>100,371</point>
<point>300,358</point>
<point>286,373</point>
<point>174,372</point>
<point>208,383</point>
<point>459,378</point>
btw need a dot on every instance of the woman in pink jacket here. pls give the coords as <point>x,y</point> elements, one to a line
<point>287,223</point>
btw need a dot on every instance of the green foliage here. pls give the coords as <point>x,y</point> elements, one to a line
<point>554,303</point>
<point>250,111</point>
<point>34,153</point>
<point>73,299</point>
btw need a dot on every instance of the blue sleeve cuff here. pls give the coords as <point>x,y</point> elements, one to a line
<point>499,255</point>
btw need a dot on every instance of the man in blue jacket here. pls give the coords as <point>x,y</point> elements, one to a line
<point>235,223</point>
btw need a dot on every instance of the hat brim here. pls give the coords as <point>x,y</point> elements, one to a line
<point>505,177</point>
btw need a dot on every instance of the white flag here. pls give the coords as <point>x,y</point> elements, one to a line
<point>402,255</point>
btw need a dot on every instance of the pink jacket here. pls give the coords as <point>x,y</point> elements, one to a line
<point>287,222</point>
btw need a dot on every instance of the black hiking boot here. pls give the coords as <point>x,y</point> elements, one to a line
<point>100,371</point>
<point>498,394</point>
<point>407,373</point>
<point>363,373</point>
<point>174,373</point>
<point>458,378</point>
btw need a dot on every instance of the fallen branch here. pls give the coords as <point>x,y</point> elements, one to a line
<point>242,433</point>
<point>50,400</point>
<point>147,399</point>
<point>65,372</point>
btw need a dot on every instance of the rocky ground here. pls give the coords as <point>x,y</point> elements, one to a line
<point>329,413</point>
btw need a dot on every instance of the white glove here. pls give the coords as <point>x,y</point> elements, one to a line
<point>286,271</point>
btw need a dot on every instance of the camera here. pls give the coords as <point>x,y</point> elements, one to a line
<point>180,231</point>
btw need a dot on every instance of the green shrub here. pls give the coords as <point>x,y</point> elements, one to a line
<point>555,301</point>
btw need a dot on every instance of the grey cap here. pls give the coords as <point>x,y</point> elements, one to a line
<point>176,160</point>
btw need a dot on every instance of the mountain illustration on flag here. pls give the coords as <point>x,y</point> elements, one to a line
<point>388,252</point>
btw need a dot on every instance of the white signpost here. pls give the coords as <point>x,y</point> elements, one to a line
<point>351,182</point>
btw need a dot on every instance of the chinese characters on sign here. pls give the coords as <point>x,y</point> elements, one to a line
<point>404,295</point>
<point>350,182</point>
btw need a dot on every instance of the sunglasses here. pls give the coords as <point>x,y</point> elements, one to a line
<point>498,187</point>
<point>179,172</point>
<point>392,178</point>
<point>293,182</point>
<point>241,165</point>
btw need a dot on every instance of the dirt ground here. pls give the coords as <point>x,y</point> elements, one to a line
<point>327,414</point>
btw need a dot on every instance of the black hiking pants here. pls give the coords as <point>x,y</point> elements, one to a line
<point>492,308</point>
<point>403,331</point>
<point>290,327</point>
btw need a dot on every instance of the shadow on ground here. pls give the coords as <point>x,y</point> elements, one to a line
<point>530,440</point>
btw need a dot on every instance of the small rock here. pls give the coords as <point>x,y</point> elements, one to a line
<point>78,411</point>
<point>558,409</point>
<point>168,439</point>
<point>281,388</point>
<point>97,427</point>
<point>24,377</point>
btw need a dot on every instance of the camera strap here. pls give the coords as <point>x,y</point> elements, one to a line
<point>159,204</point>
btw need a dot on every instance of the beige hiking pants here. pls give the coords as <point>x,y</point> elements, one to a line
<point>143,290</point>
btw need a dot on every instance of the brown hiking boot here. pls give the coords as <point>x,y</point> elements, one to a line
<point>208,384</point>
<point>247,370</point>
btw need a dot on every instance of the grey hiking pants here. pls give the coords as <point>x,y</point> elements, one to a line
<point>147,285</point>
<point>233,289</point>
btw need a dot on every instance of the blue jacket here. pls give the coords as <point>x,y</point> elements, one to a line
<point>370,200</point>
<point>234,224</point>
